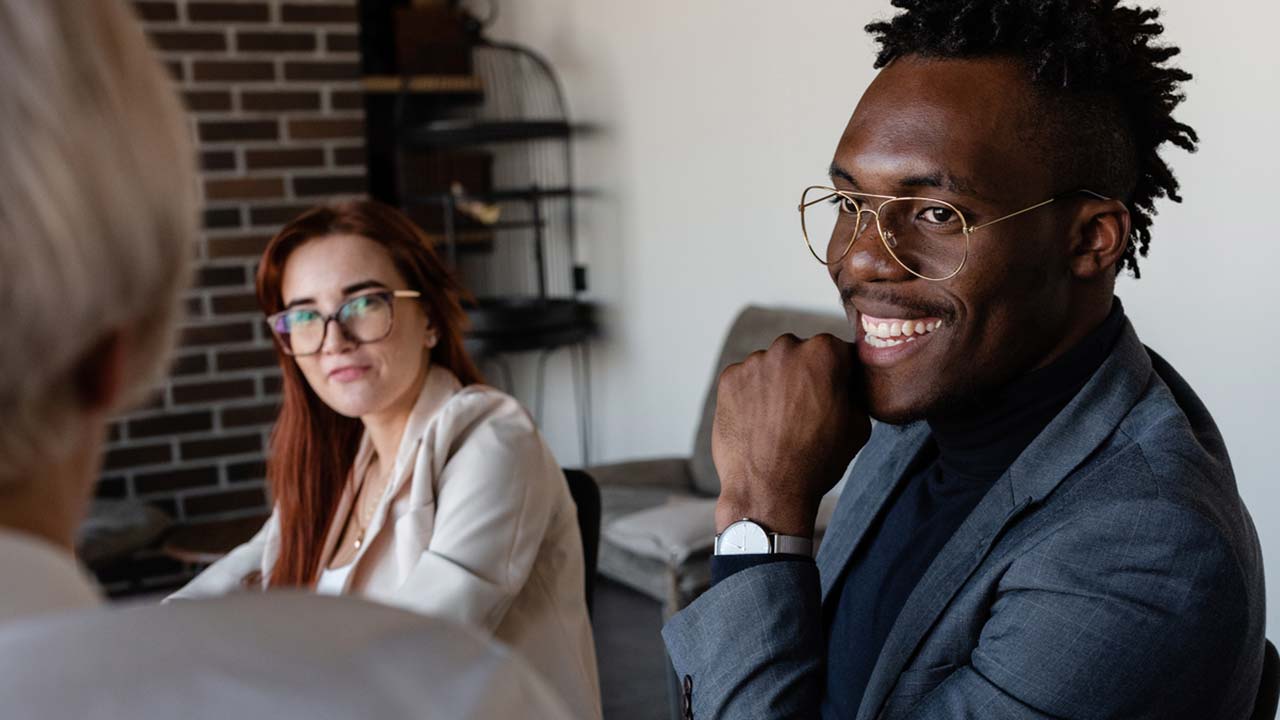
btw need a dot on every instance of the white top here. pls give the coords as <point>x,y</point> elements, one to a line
<point>41,579</point>
<point>332,582</point>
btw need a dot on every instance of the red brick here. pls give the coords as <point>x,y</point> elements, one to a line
<point>219,218</point>
<point>279,101</point>
<point>134,456</point>
<point>185,41</point>
<point>230,130</point>
<point>210,391</point>
<point>328,185</point>
<point>217,334</point>
<point>227,12</point>
<point>347,100</point>
<point>196,505</point>
<point>242,471</point>
<point>239,246</point>
<point>156,11</point>
<point>349,156</point>
<point>275,42</point>
<point>243,188</point>
<point>233,71</point>
<point>324,129</point>
<point>214,160</point>
<point>190,365</point>
<point>170,480</point>
<point>275,214</point>
<point>253,415</point>
<point>221,446</point>
<point>284,158</point>
<point>342,42</point>
<point>246,359</point>
<point>195,307</point>
<point>234,304</point>
<point>176,71</point>
<point>298,70</point>
<point>171,424</point>
<point>220,276</point>
<point>271,385</point>
<point>298,13</point>
<point>207,100</point>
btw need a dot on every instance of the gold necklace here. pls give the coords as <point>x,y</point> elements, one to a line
<point>360,514</point>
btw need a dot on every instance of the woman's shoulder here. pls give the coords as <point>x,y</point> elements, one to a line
<point>475,406</point>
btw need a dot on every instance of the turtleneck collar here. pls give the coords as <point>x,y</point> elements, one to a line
<point>983,442</point>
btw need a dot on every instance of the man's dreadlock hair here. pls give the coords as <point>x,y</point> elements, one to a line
<point>1104,81</point>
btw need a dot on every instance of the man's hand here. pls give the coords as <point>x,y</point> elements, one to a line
<point>787,425</point>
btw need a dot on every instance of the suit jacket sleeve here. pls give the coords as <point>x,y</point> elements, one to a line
<point>752,646</point>
<point>227,574</point>
<point>497,495</point>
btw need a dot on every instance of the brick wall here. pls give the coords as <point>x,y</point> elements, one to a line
<point>275,102</point>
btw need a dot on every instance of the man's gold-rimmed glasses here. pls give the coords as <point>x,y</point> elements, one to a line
<point>928,237</point>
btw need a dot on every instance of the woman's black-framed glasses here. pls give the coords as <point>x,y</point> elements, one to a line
<point>362,319</point>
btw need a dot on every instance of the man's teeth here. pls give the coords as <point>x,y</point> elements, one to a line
<point>889,333</point>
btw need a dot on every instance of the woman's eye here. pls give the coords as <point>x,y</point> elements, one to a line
<point>303,317</point>
<point>358,306</point>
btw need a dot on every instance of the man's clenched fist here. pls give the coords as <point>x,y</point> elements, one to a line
<point>788,423</point>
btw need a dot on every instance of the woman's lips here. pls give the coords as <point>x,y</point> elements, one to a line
<point>348,373</point>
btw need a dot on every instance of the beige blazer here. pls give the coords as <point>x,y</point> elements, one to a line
<point>477,525</point>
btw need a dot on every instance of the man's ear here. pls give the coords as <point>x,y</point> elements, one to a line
<point>1099,238</point>
<point>100,374</point>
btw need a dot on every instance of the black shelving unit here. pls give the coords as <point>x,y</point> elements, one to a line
<point>499,140</point>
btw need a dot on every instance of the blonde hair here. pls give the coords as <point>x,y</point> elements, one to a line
<point>98,212</point>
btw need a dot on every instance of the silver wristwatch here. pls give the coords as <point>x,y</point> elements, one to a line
<point>747,537</point>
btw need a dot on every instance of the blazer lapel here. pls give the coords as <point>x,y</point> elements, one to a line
<point>875,473</point>
<point>1087,421</point>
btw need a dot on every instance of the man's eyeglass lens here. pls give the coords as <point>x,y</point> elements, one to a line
<point>364,319</point>
<point>925,236</point>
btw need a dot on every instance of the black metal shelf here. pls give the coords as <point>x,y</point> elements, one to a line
<point>455,134</point>
<point>507,195</point>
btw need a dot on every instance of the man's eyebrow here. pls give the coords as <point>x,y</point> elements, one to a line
<point>938,179</point>
<point>348,290</point>
<point>837,172</point>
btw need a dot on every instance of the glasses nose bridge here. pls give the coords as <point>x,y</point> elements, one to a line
<point>342,336</point>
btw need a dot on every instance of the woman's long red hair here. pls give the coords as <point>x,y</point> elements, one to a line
<point>312,447</point>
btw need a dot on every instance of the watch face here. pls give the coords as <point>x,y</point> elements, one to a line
<point>743,538</point>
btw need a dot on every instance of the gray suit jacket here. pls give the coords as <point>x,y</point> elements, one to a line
<point>1112,572</point>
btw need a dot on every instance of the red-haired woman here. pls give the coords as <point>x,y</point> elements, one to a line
<point>396,475</point>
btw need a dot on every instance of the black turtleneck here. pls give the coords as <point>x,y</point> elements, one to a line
<point>967,452</point>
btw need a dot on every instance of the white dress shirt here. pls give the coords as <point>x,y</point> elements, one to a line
<point>40,578</point>
<point>279,655</point>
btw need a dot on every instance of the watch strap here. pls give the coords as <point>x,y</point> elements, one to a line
<point>792,545</point>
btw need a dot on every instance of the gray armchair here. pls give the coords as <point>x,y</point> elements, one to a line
<point>658,515</point>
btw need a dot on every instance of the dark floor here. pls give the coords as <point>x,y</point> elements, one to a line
<point>629,651</point>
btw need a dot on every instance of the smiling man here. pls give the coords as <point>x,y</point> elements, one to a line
<point>1045,522</point>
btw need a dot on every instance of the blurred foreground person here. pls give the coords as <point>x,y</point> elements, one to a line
<point>98,210</point>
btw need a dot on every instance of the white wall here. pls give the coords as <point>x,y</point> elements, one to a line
<point>714,114</point>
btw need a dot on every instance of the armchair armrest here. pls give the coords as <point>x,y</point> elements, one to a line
<point>670,473</point>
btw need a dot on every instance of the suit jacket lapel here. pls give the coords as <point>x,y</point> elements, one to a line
<point>1087,421</point>
<point>875,473</point>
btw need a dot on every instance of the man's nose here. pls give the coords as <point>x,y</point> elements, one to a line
<point>869,260</point>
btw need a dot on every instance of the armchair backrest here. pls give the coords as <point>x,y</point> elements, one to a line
<point>754,329</point>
